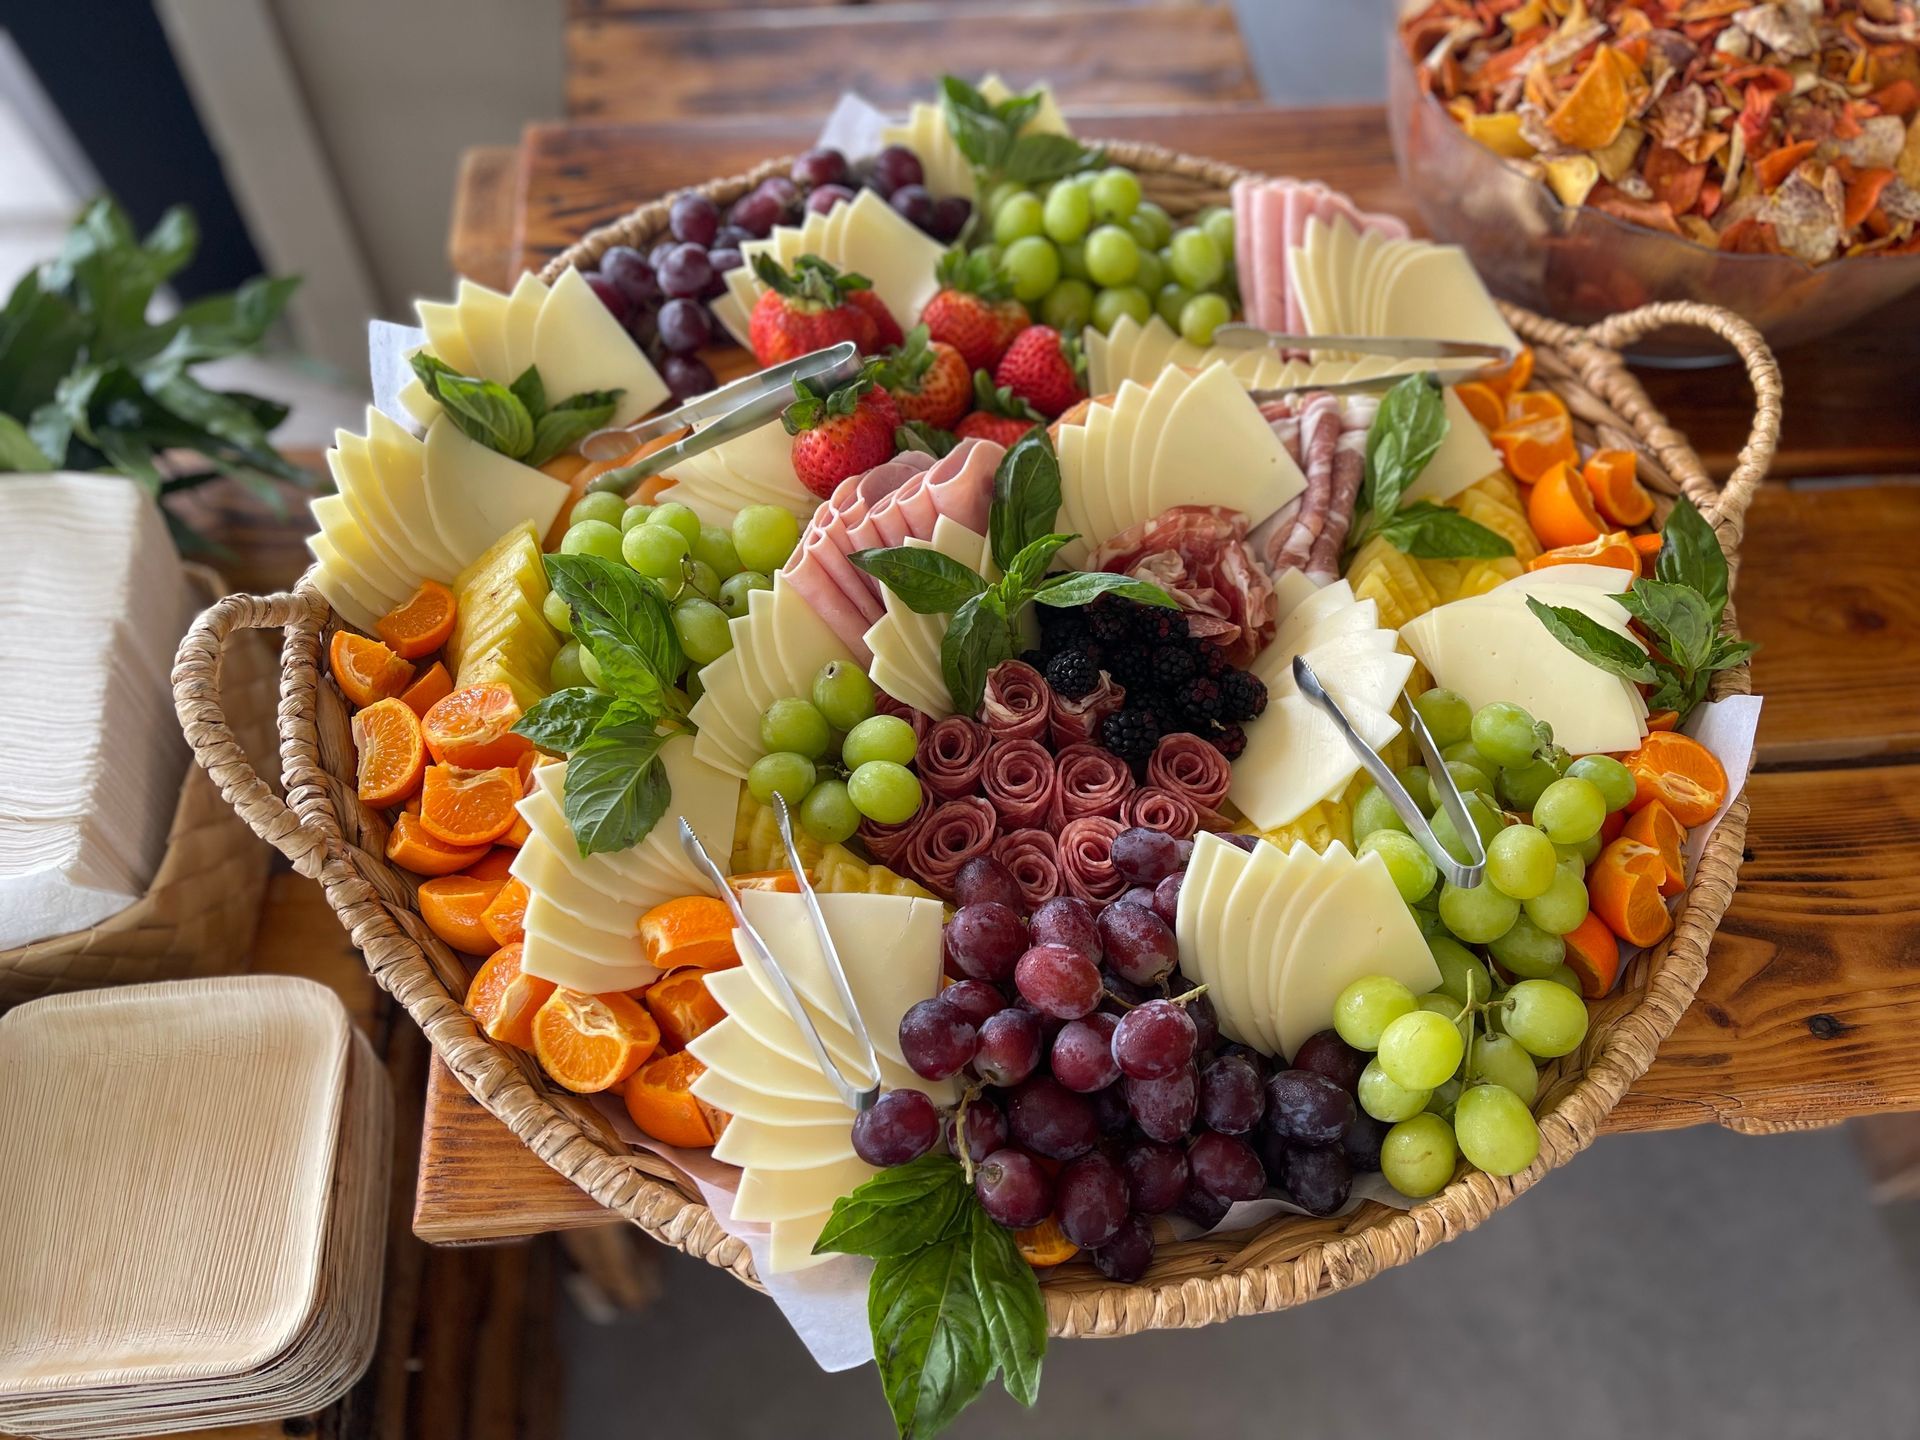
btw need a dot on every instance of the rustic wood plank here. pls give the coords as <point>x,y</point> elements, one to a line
<point>799,61</point>
<point>485,196</point>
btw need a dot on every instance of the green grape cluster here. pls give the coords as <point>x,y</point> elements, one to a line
<point>1088,249</point>
<point>833,760</point>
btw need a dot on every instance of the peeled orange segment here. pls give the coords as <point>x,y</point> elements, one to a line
<point>1530,448</point>
<point>1617,492</point>
<point>1560,509</point>
<point>452,906</point>
<point>505,917</point>
<point>1681,773</point>
<point>473,728</point>
<point>1514,378</point>
<point>420,625</point>
<point>390,756</point>
<point>1653,825</point>
<point>590,1043</point>
<point>784,881</point>
<point>503,1001</point>
<point>1614,548</point>
<point>496,864</point>
<point>682,1007</point>
<point>695,930</point>
<point>365,670</point>
<point>429,688</point>
<point>412,848</point>
<point>1044,1244</point>
<point>1624,885</point>
<point>1487,405</point>
<point>468,807</point>
<point>1593,954</point>
<point>1647,547</point>
<point>661,1102</point>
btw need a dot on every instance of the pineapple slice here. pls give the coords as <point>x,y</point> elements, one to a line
<point>1504,521</point>
<point>1485,575</point>
<point>1320,826</point>
<point>498,631</point>
<point>832,868</point>
<point>1372,585</point>
<point>1412,593</point>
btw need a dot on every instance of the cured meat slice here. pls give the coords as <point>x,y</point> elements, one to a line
<point>1070,722</point>
<point>960,483</point>
<point>887,843</point>
<point>1086,859</point>
<point>1199,555</point>
<point>1017,702</point>
<point>885,704</point>
<point>1021,780</point>
<point>1092,781</point>
<point>950,755</point>
<point>953,833</point>
<point>1158,808</point>
<point>1349,468</point>
<point>1320,427</point>
<point>1190,766</point>
<point>1033,857</point>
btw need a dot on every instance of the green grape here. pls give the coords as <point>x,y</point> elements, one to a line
<point>1068,306</point>
<point>1073,261</point>
<point>634,515</point>
<point>1455,1014</point>
<point>1521,861</point>
<point>828,813</point>
<point>735,589</point>
<point>715,548</point>
<point>700,578</point>
<point>1418,784</point>
<point>692,687</point>
<point>702,628</point>
<point>1201,316</point>
<point>1018,216</point>
<point>1487,820</point>
<point>680,518</point>
<point>598,506</point>
<point>1152,274</point>
<point>1561,907</point>
<point>1463,975</point>
<point>559,614</point>
<point>998,195</point>
<point>843,693</point>
<point>1113,256</point>
<point>1519,788</point>
<point>1443,1099</point>
<point>1548,1019</point>
<point>1527,950</point>
<point>1412,871</point>
<point>1585,852</point>
<point>879,737</point>
<point>567,672</point>
<point>592,537</point>
<point>1559,758</point>
<point>1495,1130</point>
<point>1477,915</point>
<point>1031,265</point>
<point>656,551</point>
<point>1067,214</point>
<point>1564,975</point>
<point>1420,1050</point>
<point>1151,225</point>
<point>1109,305</point>
<point>590,667</point>
<point>1170,300</point>
<point>1503,732</point>
<point>1501,1060</point>
<point>1373,811</point>
<point>781,773</point>
<point>1367,1007</point>
<point>764,536</point>
<point>1447,834</point>
<point>1467,753</point>
<point>1384,1100</point>
<point>1607,775</point>
<point>885,792</point>
<point>1467,778</point>
<point>793,724</point>
<point>1448,717</point>
<point>1570,810</point>
<point>1217,221</point>
<point>1196,261</point>
<point>1115,193</point>
<point>1418,1156</point>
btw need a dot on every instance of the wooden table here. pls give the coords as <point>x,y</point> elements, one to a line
<point>1811,1011</point>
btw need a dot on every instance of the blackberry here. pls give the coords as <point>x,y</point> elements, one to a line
<point>1061,627</point>
<point>1173,666</point>
<point>1036,658</point>
<point>1243,695</point>
<point>1156,624</point>
<point>1229,740</point>
<point>1202,699</point>
<point>1131,734</point>
<point>1072,674</point>
<point>1131,665</point>
<point>1213,661</point>
<point>1107,621</point>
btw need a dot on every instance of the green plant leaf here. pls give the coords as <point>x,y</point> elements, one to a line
<point>1406,431</point>
<point>570,422</point>
<point>1729,653</point>
<point>1594,642</point>
<point>487,411</point>
<point>981,135</point>
<point>564,720</point>
<point>1032,159</point>
<point>929,1338</point>
<point>898,1211</point>
<point>1024,574</point>
<point>617,789</point>
<point>927,582</point>
<point>215,326</point>
<point>624,623</point>
<point>928,439</point>
<point>1690,555</point>
<point>1016,110</point>
<point>531,392</point>
<point>1026,496</point>
<point>170,244</point>
<point>1084,586</point>
<point>41,337</point>
<point>1433,532</point>
<point>1678,618</point>
<point>103,270</point>
<point>1011,1309</point>
<point>17,450</point>
<point>977,639</point>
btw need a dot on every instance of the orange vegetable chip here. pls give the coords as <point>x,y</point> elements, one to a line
<point>1595,108</point>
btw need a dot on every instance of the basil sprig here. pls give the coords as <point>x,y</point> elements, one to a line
<point>617,788</point>
<point>515,419</point>
<point>989,136</point>
<point>950,1300</point>
<point>1404,437</point>
<point>984,626</point>
<point>1681,609</point>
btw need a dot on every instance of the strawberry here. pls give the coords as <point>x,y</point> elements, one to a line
<point>886,328</point>
<point>1000,415</point>
<point>966,311</point>
<point>843,433</point>
<point>1013,318</point>
<point>1043,369</point>
<point>928,380</point>
<point>808,309</point>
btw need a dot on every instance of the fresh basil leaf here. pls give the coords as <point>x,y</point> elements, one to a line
<point>927,582</point>
<point>929,1338</point>
<point>1014,1315</point>
<point>1016,110</point>
<point>1593,642</point>
<point>531,391</point>
<point>617,788</point>
<point>17,450</point>
<point>898,1211</point>
<point>565,720</point>
<point>564,427</point>
<point>975,642</point>
<point>1433,532</point>
<point>488,412</point>
<point>1406,431</point>
<point>929,439</point>
<point>1026,496</point>
<point>981,137</point>
<point>959,95</point>
<point>1083,586</point>
<point>1031,159</point>
<point>623,621</point>
<point>1677,617</point>
<point>1729,653</point>
<point>1024,574</point>
<point>1690,555</point>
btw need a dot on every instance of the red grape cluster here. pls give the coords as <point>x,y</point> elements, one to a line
<point>1097,1089</point>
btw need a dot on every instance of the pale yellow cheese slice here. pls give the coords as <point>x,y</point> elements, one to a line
<point>1216,448</point>
<point>475,495</point>
<point>579,346</point>
<point>483,322</point>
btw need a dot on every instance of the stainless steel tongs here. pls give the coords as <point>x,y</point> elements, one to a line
<point>857,1096</point>
<point>1240,336</point>
<point>1464,876</point>
<point>736,408</point>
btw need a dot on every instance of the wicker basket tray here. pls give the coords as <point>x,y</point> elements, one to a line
<point>330,836</point>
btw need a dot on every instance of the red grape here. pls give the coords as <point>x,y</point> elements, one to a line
<point>826,197</point>
<point>1247,843</point>
<point>756,212</point>
<point>902,1125</point>
<point>1164,1109</point>
<point>1232,1099</point>
<point>1225,1166</point>
<point>914,204</point>
<point>1139,945</point>
<point>1206,1022</point>
<point>950,216</point>
<point>1203,1209</point>
<point>1272,1150</point>
<point>1154,1040</point>
<point>1308,1109</point>
<point>1090,1196</point>
<point>627,268</point>
<point>1138,895</point>
<point>1082,1057</point>
<point>693,218</point>
<point>984,878</point>
<point>974,999</point>
<point>985,939</point>
<point>1325,1053</point>
<point>1128,1251</point>
<point>1065,920</point>
<point>894,167</point>
<point>724,258</point>
<point>1013,1189</point>
<point>686,376</point>
<point>644,326</point>
<point>611,296</point>
<point>936,1039</point>
<point>1110,1111</point>
<point>685,271</point>
<point>1122,994</point>
<point>986,1130</point>
<point>1049,1024</point>
<point>1061,982</point>
<point>731,237</point>
<point>821,166</point>
<point>1156,1175</point>
<point>1010,1047</point>
<point>1318,1177</point>
<point>1362,1143</point>
<point>784,192</point>
<point>662,248</point>
<point>684,326</point>
<point>1166,896</point>
<point>1144,856</point>
<point>1049,1119</point>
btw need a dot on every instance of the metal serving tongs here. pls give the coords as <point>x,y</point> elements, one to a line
<point>1240,336</point>
<point>1464,876</point>
<point>741,406</point>
<point>857,1096</point>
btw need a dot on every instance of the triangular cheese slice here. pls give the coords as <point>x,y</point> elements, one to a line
<point>579,346</point>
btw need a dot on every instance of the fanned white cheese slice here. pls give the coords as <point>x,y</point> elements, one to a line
<point>1435,294</point>
<point>445,339</point>
<point>523,318</point>
<point>578,346</point>
<point>1215,448</point>
<point>1464,458</point>
<point>1303,605</point>
<point>794,1194</point>
<point>361,559</point>
<point>1101,371</point>
<point>541,871</point>
<point>483,321</point>
<point>421,407</point>
<point>399,461</point>
<point>1125,480</point>
<point>749,1002</point>
<point>1271,926</point>
<point>756,1101</point>
<point>899,258</point>
<point>783,1147</point>
<point>906,646</point>
<point>343,591</point>
<point>1237,994</point>
<point>1295,758</point>
<point>790,1243</point>
<point>475,495</point>
<point>350,462</point>
<point>1212,870</point>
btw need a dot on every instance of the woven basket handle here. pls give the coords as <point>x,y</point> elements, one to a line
<point>1726,504</point>
<point>197,701</point>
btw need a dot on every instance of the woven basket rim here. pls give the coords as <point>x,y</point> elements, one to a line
<point>1276,1265</point>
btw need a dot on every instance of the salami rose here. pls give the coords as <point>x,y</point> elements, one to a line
<point>1086,859</point>
<point>1191,767</point>
<point>1160,809</point>
<point>1017,701</point>
<point>1092,781</point>
<point>1034,859</point>
<point>886,843</point>
<point>885,704</point>
<point>1020,780</point>
<point>950,756</point>
<point>955,831</point>
<point>1071,722</point>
